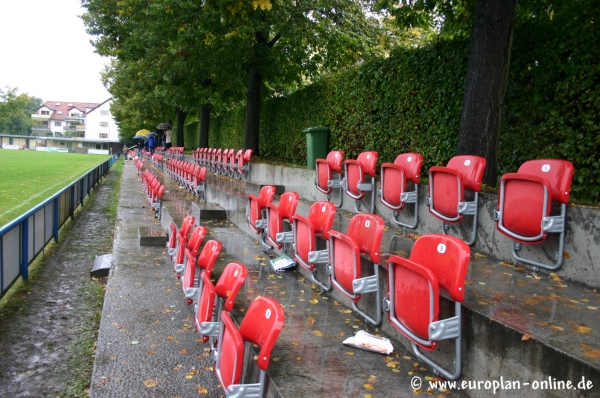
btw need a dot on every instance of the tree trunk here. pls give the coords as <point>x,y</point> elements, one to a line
<point>253,100</point>
<point>181,115</point>
<point>485,84</point>
<point>204,126</point>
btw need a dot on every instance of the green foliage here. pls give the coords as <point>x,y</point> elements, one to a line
<point>16,110</point>
<point>553,100</point>
<point>411,101</point>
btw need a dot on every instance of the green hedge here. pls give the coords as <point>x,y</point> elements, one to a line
<point>411,101</point>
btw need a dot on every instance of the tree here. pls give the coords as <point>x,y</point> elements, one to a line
<point>493,23</point>
<point>485,85</point>
<point>16,110</point>
<point>200,51</point>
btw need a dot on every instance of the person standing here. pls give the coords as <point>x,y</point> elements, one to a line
<point>168,138</point>
<point>151,144</point>
<point>140,146</point>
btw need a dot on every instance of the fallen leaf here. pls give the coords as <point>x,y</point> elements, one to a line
<point>592,354</point>
<point>201,390</point>
<point>317,333</point>
<point>368,386</point>
<point>372,379</point>
<point>531,301</point>
<point>349,353</point>
<point>582,329</point>
<point>479,255</point>
<point>526,336</point>
<point>556,328</point>
<point>183,352</point>
<point>313,301</point>
<point>150,383</point>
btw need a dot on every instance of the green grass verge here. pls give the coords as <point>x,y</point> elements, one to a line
<point>81,351</point>
<point>29,177</point>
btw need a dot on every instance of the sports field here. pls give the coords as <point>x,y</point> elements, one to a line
<point>29,177</point>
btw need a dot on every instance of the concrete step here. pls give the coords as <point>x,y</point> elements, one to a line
<point>518,326</point>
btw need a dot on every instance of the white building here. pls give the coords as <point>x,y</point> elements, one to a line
<point>90,121</point>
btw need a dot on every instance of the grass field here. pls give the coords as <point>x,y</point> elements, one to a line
<point>29,177</point>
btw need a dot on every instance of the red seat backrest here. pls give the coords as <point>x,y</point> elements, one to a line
<point>209,255</point>
<point>248,155</point>
<point>261,326</point>
<point>368,161</point>
<point>558,173</point>
<point>230,282</point>
<point>196,239</point>
<point>367,230</point>
<point>411,163</point>
<point>231,360</point>
<point>471,169</point>
<point>288,204</point>
<point>186,226</point>
<point>321,215</point>
<point>447,258</point>
<point>266,196</point>
<point>335,160</point>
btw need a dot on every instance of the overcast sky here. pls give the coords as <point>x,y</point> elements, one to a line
<point>46,53</point>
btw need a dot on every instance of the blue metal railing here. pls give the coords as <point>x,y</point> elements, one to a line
<point>22,239</point>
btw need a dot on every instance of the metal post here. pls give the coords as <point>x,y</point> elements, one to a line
<point>24,249</point>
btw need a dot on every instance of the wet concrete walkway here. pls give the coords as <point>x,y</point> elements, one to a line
<point>148,345</point>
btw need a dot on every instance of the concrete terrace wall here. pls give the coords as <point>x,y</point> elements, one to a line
<point>582,244</point>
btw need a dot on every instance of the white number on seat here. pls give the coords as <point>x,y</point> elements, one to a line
<point>441,248</point>
<point>268,314</point>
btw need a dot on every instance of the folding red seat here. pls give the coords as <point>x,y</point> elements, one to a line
<point>363,237</point>
<point>239,155</point>
<point>525,205</point>
<point>203,157</point>
<point>306,231</point>
<point>157,200</point>
<point>192,245</point>
<point>172,241</point>
<point>213,160</point>
<point>243,165</point>
<point>218,160</point>
<point>198,184</point>
<point>447,187</point>
<point>261,326</point>
<point>232,163</point>
<point>256,210</point>
<point>214,299</point>
<point>225,162</point>
<point>324,169</point>
<point>393,187</point>
<point>276,215</point>
<point>182,233</point>
<point>190,281</point>
<point>355,179</point>
<point>437,262</point>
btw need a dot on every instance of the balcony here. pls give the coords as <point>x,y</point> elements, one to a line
<point>35,116</point>
<point>76,118</point>
<point>78,128</point>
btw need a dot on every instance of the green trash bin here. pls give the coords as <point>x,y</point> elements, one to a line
<point>317,140</point>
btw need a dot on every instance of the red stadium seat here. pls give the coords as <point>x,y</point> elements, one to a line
<point>525,202</point>
<point>324,169</point>
<point>437,263</point>
<point>276,215</point>
<point>306,232</point>
<point>393,191</point>
<point>256,211</point>
<point>447,187</point>
<point>356,173</point>
<point>363,237</point>
<point>261,326</point>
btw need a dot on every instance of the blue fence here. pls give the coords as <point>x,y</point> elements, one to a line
<point>24,238</point>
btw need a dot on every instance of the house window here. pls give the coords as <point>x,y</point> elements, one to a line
<point>44,112</point>
<point>103,112</point>
<point>103,124</point>
<point>58,124</point>
<point>103,135</point>
<point>74,114</point>
<point>62,143</point>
